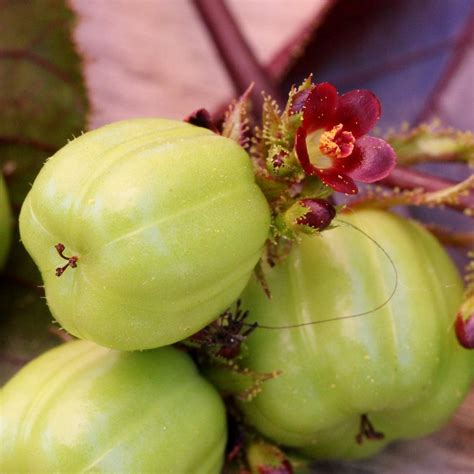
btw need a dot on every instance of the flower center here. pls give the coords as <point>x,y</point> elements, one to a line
<point>324,146</point>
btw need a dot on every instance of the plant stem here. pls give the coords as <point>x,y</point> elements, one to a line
<point>240,62</point>
<point>285,57</point>
<point>407,178</point>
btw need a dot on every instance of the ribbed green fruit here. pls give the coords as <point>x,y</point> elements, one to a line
<point>5,222</point>
<point>400,365</point>
<point>84,408</point>
<point>167,224</point>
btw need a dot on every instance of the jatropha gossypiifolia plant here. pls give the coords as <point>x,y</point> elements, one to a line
<point>146,230</point>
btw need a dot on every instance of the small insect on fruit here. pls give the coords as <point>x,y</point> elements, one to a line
<point>84,408</point>
<point>160,224</point>
<point>224,336</point>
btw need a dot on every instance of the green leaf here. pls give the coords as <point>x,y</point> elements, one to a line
<point>43,104</point>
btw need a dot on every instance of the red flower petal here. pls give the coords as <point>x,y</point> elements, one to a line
<point>302,152</point>
<point>358,111</point>
<point>320,107</point>
<point>337,180</point>
<point>372,159</point>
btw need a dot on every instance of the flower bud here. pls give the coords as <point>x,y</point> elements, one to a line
<point>465,331</point>
<point>310,215</point>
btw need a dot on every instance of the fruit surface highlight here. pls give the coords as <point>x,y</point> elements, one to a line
<point>396,371</point>
<point>84,408</point>
<point>163,221</point>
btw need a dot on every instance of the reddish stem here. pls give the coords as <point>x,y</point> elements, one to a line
<point>407,178</point>
<point>239,60</point>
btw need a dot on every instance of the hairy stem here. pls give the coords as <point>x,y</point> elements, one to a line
<point>406,178</point>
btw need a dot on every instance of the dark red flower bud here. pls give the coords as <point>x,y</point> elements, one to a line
<point>465,331</point>
<point>319,213</point>
<point>310,215</point>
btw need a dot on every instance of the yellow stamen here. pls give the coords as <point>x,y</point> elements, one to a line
<point>327,145</point>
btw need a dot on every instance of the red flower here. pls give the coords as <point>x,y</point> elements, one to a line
<point>332,142</point>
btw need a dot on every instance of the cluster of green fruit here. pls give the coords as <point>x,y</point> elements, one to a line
<point>145,231</point>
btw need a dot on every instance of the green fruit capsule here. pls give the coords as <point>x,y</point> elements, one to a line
<point>349,387</point>
<point>84,408</point>
<point>157,224</point>
<point>5,222</point>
